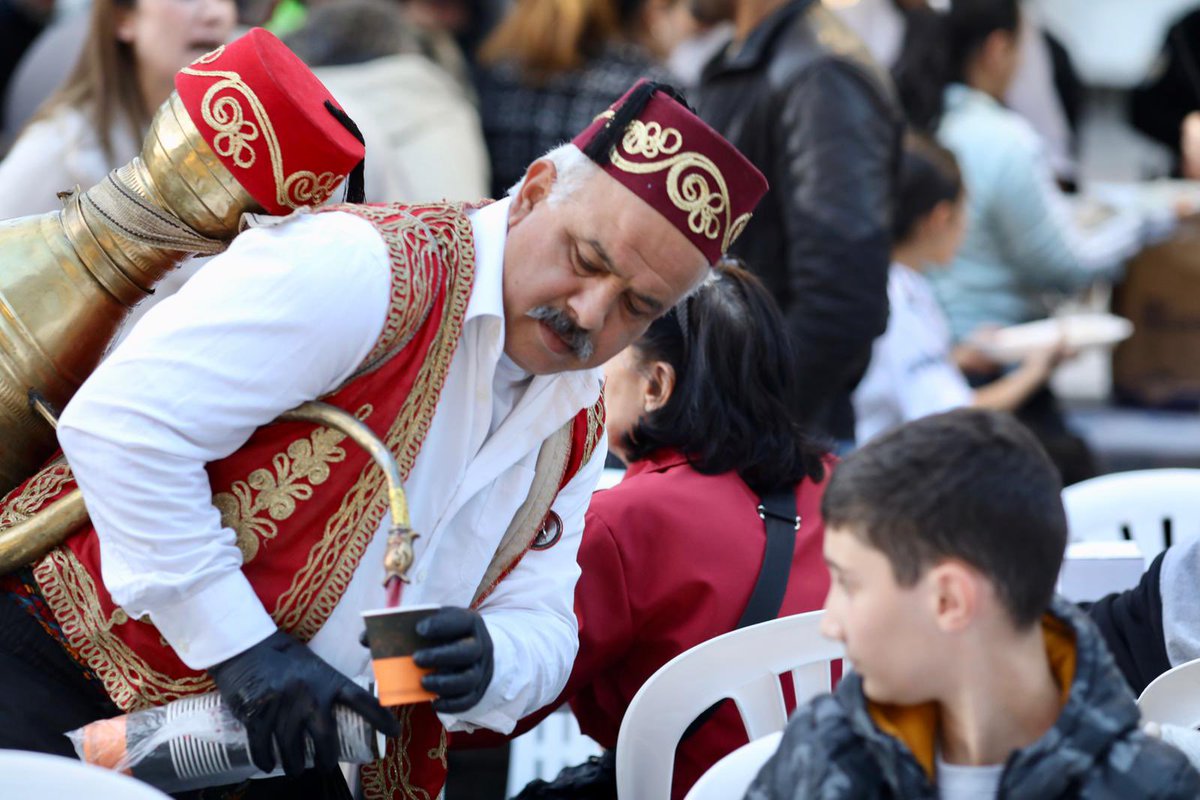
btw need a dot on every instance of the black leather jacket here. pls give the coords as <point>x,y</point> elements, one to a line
<point>803,100</point>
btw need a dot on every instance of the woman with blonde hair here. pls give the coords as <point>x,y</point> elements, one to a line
<point>96,121</point>
<point>550,67</point>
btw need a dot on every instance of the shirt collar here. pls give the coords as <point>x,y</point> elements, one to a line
<point>658,461</point>
<point>490,227</point>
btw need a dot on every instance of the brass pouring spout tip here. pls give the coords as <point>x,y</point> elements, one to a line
<point>399,556</point>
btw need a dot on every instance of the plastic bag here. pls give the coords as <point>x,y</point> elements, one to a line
<point>196,742</point>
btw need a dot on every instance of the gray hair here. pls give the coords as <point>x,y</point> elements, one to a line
<point>572,169</point>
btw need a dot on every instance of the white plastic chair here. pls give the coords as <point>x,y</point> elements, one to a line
<point>1155,508</point>
<point>1093,569</point>
<point>742,665</point>
<point>37,775</point>
<point>732,775</point>
<point>543,751</point>
<point>1173,698</point>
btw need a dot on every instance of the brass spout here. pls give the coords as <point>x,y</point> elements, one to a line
<point>33,538</point>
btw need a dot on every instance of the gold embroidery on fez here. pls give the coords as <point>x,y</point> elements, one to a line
<point>234,133</point>
<point>307,459</point>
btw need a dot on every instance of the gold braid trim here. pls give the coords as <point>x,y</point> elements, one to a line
<point>439,232</point>
<point>131,683</point>
<point>595,429</point>
<point>390,777</point>
<point>305,464</point>
<point>46,484</point>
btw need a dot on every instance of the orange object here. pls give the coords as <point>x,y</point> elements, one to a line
<point>398,681</point>
<point>104,743</point>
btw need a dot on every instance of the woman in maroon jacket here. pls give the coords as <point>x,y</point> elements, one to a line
<point>702,409</point>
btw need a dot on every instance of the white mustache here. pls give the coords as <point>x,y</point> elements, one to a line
<point>576,338</point>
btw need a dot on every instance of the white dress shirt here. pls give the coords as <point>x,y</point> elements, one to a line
<point>286,315</point>
<point>911,374</point>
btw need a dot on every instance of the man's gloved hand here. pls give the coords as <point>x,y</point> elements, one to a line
<point>284,694</point>
<point>459,653</point>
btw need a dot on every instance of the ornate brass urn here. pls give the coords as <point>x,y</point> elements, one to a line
<point>69,278</point>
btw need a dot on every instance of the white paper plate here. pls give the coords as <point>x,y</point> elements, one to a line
<point>1079,331</point>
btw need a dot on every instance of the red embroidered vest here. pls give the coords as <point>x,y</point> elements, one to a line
<point>303,502</point>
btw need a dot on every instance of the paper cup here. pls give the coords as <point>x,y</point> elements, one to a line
<point>393,637</point>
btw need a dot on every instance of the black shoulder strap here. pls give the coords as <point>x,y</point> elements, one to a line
<point>778,512</point>
<point>782,520</point>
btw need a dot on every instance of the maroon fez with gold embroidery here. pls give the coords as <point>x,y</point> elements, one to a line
<point>661,151</point>
<point>270,121</point>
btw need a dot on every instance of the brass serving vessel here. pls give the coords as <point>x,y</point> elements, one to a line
<point>67,282</point>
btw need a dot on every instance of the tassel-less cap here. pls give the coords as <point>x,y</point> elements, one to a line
<point>264,114</point>
<point>655,146</point>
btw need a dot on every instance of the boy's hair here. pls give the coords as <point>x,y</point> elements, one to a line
<point>929,175</point>
<point>968,484</point>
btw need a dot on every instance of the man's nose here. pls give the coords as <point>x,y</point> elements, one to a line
<point>591,305</point>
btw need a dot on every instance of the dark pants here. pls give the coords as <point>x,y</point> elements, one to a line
<point>44,694</point>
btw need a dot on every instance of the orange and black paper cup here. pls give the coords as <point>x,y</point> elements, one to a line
<point>392,633</point>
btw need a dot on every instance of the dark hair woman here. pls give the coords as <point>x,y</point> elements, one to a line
<point>702,410</point>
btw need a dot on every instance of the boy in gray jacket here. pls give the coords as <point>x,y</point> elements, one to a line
<point>944,540</point>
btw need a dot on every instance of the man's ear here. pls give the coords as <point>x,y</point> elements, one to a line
<point>539,180</point>
<point>660,384</point>
<point>955,593</point>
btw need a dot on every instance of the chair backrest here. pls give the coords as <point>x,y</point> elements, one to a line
<point>732,775</point>
<point>1155,508</point>
<point>743,665</point>
<point>38,775</point>
<point>1093,569</point>
<point>1173,698</point>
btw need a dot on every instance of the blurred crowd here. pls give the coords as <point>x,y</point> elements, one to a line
<point>845,106</point>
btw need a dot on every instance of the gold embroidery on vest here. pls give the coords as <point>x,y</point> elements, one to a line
<point>70,591</point>
<point>305,464</point>
<point>382,779</point>
<point>595,429</point>
<point>439,232</point>
<point>131,683</point>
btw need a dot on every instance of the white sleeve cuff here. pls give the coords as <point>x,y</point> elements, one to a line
<point>222,619</point>
<point>499,696</point>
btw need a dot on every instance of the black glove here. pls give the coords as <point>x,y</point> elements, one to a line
<point>459,653</point>
<point>284,693</point>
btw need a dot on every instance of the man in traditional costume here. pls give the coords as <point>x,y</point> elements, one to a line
<point>468,339</point>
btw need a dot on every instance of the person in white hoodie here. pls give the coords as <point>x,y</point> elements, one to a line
<point>915,369</point>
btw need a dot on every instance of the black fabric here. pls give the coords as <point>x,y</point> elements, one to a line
<point>1132,627</point>
<point>43,692</point>
<point>356,180</point>
<point>803,100</point>
<point>1158,108</point>
<point>17,32</point>
<point>594,779</point>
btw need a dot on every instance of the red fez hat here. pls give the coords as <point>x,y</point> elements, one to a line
<point>273,125</point>
<point>661,151</point>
